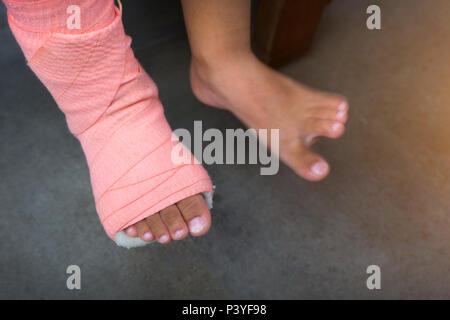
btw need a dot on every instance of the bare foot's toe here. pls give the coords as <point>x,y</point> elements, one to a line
<point>158,228</point>
<point>315,127</point>
<point>196,214</point>
<point>306,163</point>
<point>143,231</point>
<point>328,114</point>
<point>342,110</point>
<point>174,222</point>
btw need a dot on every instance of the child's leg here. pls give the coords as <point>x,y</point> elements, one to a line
<point>112,107</point>
<point>226,74</point>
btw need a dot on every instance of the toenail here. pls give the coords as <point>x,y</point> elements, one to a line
<point>319,168</point>
<point>196,225</point>
<point>178,233</point>
<point>147,236</point>
<point>342,106</point>
<point>336,126</point>
<point>309,139</point>
<point>164,238</point>
<point>340,114</point>
<point>130,231</point>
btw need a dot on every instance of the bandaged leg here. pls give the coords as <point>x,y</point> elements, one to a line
<point>111,106</point>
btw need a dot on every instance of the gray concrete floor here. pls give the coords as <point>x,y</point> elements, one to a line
<point>386,201</point>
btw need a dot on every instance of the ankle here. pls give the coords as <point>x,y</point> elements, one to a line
<point>208,74</point>
<point>202,83</point>
<point>207,65</point>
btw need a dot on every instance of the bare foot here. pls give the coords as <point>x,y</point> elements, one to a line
<point>264,98</point>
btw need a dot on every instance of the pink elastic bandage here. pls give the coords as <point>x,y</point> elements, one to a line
<point>111,106</point>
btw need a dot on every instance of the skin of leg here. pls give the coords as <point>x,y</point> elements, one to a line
<point>217,28</point>
<point>226,74</point>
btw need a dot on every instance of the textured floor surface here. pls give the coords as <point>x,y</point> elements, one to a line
<point>386,202</point>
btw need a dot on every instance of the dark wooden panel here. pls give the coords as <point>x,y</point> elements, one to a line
<point>284,29</point>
